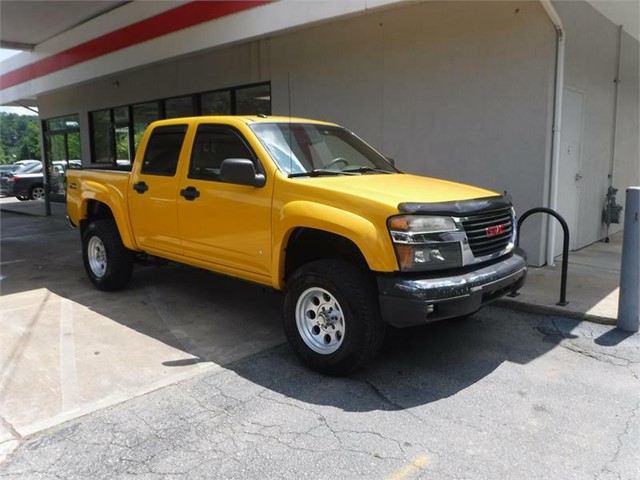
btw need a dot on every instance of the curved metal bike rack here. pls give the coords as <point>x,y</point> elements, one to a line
<point>565,246</point>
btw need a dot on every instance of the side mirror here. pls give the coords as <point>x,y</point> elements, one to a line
<point>391,161</point>
<point>241,171</point>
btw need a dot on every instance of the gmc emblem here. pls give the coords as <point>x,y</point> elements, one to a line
<point>493,231</point>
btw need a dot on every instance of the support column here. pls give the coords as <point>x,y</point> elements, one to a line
<point>629,301</point>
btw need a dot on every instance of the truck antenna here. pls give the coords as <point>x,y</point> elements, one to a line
<point>290,132</point>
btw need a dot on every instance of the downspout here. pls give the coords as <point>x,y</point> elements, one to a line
<point>616,97</point>
<point>557,121</point>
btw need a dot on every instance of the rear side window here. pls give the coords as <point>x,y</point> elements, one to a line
<point>163,150</point>
<point>213,145</point>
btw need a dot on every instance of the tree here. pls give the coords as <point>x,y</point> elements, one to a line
<point>19,137</point>
<point>4,158</point>
<point>29,143</point>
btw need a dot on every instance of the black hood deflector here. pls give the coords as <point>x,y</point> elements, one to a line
<point>456,208</point>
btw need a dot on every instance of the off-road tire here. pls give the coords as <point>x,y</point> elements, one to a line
<point>355,291</point>
<point>117,263</point>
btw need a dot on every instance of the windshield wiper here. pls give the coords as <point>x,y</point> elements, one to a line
<point>320,172</point>
<point>365,169</point>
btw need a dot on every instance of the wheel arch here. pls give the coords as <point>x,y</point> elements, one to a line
<point>98,210</point>
<point>307,244</point>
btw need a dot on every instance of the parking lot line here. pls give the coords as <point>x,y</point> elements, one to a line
<point>68,374</point>
<point>417,464</point>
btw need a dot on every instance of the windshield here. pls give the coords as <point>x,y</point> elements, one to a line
<point>301,148</point>
<point>29,168</point>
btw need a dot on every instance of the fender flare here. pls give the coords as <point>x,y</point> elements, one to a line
<point>361,231</point>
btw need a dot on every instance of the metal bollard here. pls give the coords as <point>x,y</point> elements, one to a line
<point>629,301</point>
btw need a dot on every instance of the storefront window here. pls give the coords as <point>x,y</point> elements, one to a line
<point>143,115</point>
<point>73,145</point>
<point>179,107</point>
<point>216,103</point>
<point>122,146</point>
<point>62,123</point>
<point>253,100</point>
<point>121,115</point>
<point>116,132</point>
<point>101,123</point>
<point>62,151</point>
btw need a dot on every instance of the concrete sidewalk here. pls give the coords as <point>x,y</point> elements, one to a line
<point>592,281</point>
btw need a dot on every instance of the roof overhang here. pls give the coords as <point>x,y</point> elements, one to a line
<point>25,24</point>
<point>69,42</point>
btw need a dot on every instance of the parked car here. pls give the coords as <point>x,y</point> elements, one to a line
<point>13,167</point>
<point>26,183</point>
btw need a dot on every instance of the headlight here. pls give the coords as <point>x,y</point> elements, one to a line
<point>421,243</point>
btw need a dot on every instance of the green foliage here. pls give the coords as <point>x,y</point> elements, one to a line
<point>19,137</point>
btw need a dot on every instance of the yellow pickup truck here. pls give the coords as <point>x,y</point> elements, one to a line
<point>308,208</point>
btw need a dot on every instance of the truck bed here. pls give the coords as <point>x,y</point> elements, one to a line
<point>107,186</point>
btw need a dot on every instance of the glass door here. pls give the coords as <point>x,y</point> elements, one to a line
<point>62,139</point>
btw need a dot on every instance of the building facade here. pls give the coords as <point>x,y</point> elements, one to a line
<point>466,91</point>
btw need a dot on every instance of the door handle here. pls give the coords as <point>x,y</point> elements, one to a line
<point>141,187</point>
<point>190,193</point>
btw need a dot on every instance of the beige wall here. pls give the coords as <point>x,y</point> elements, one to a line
<point>591,44</point>
<point>458,90</point>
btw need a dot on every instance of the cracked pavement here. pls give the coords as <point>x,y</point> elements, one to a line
<point>502,395</point>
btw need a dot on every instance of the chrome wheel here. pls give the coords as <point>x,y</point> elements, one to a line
<point>97,257</point>
<point>320,320</point>
<point>37,193</point>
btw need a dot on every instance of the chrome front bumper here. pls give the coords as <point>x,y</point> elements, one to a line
<point>408,300</point>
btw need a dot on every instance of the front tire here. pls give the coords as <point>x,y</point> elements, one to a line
<point>332,317</point>
<point>108,262</point>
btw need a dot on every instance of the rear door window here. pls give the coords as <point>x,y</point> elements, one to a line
<point>163,150</point>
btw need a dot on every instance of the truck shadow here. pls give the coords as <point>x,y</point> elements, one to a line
<point>417,366</point>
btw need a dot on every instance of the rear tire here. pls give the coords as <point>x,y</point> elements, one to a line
<point>108,262</point>
<point>36,192</point>
<point>332,317</point>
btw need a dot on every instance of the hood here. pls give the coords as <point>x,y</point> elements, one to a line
<point>394,189</point>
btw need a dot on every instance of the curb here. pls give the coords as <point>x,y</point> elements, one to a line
<point>22,212</point>
<point>31,212</point>
<point>556,311</point>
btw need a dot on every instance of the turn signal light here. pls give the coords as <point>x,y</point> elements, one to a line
<point>435,256</point>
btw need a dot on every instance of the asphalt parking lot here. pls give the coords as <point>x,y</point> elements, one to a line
<point>185,375</point>
<point>68,349</point>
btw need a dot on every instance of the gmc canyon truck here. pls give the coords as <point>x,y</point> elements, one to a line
<point>304,207</point>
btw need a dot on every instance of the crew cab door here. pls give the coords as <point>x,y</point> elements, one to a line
<point>224,223</point>
<point>154,191</point>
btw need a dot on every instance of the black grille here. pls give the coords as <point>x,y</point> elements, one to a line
<point>478,229</point>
